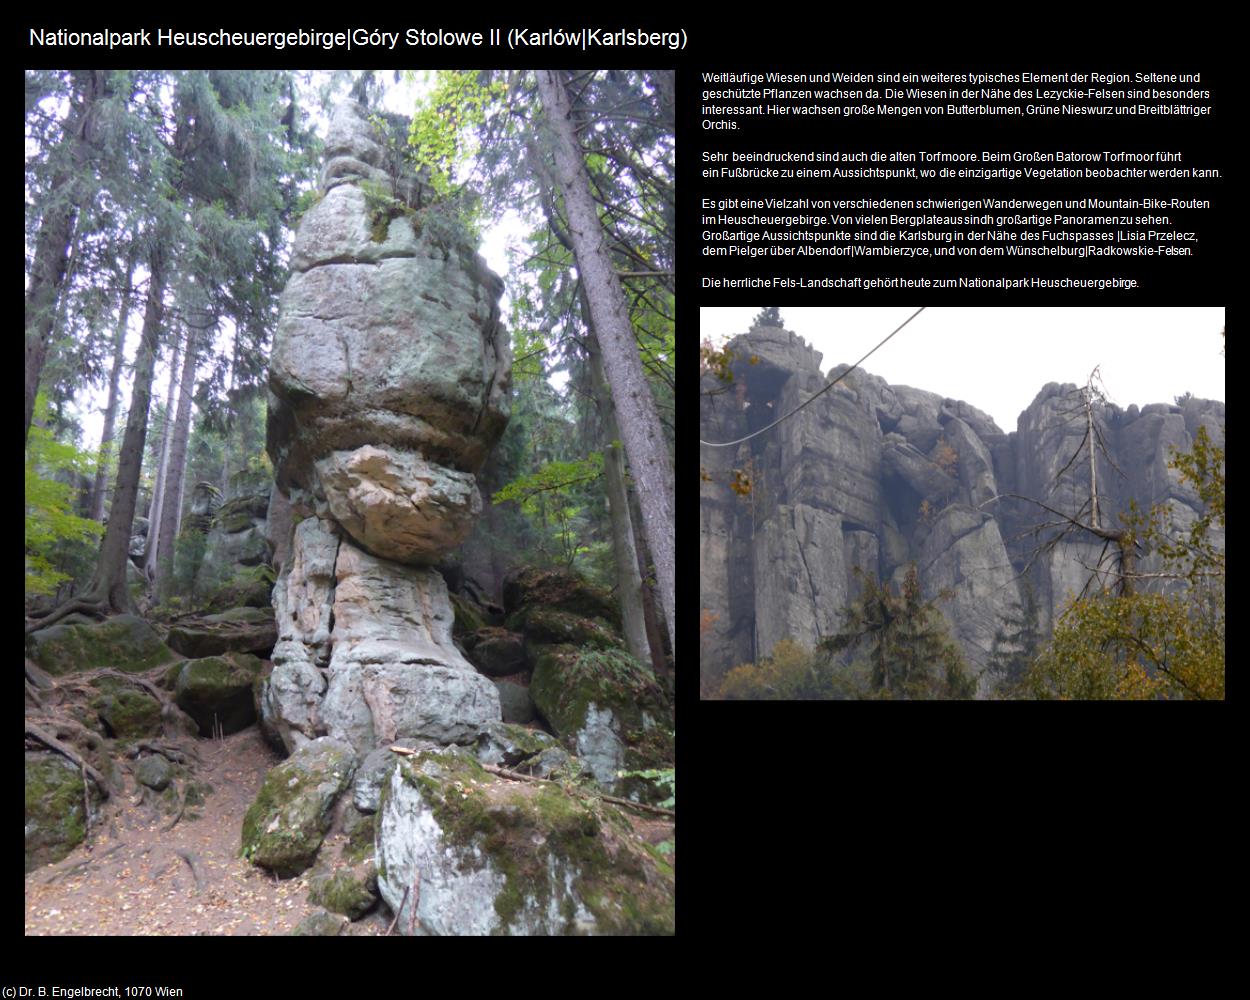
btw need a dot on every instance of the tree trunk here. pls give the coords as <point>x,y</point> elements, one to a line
<point>628,581</point>
<point>152,549</point>
<point>110,411</point>
<point>655,631</point>
<point>639,423</point>
<point>108,587</point>
<point>56,232</point>
<point>175,479</point>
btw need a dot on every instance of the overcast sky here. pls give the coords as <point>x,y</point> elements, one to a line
<point>998,359</point>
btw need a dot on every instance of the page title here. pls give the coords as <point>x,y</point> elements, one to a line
<point>585,39</point>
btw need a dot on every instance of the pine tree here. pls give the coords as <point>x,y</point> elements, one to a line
<point>1016,643</point>
<point>769,317</point>
<point>909,651</point>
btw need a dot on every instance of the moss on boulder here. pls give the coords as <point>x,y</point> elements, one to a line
<point>251,587</point>
<point>125,642</point>
<point>502,857</point>
<point>496,652</point>
<point>551,625</point>
<point>55,824</point>
<point>283,829</point>
<point>560,589</point>
<point>127,712</point>
<point>468,616</point>
<point>349,889</point>
<point>218,689</point>
<point>237,630</point>
<point>606,707</point>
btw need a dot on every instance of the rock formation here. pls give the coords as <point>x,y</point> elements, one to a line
<point>880,477</point>
<point>389,385</point>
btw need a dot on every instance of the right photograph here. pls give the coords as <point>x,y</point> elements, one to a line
<point>962,503</point>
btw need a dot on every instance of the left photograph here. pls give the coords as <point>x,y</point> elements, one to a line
<point>349,569</point>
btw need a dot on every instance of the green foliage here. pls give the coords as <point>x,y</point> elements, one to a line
<point>553,498</point>
<point>1134,647</point>
<point>55,535</point>
<point>189,549</point>
<point>909,650</point>
<point>442,129</point>
<point>555,477</point>
<point>382,207</point>
<point>1016,643</point>
<point>664,779</point>
<point>1138,645</point>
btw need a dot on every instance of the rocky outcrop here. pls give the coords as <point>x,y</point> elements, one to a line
<point>216,691</point>
<point>237,541</point>
<point>497,857</point>
<point>284,827</point>
<point>239,630</point>
<point>874,477</point>
<point>389,384</point>
<point>79,643</point>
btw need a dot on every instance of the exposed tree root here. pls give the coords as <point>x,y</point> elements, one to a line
<point>192,863</point>
<point>182,808</point>
<point>97,607</point>
<point>53,743</point>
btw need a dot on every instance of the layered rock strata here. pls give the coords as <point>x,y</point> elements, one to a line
<point>880,477</point>
<point>389,386</point>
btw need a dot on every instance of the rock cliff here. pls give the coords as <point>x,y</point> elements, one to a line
<point>880,477</point>
<point>389,384</point>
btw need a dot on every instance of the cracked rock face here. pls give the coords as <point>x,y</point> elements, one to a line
<point>881,477</point>
<point>389,334</point>
<point>389,383</point>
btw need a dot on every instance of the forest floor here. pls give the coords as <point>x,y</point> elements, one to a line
<point>136,878</point>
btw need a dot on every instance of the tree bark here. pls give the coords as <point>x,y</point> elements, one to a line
<point>628,581</point>
<point>640,427</point>
<point>56,232</point>
<point>152,548</point>
<point>108,587</point>
<point>175,478</point>
<point>110,410</point>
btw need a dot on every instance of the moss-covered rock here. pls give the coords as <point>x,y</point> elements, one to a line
<point>469,617</point>
<point>561,589</point>
<point>237,630</point>
<point>125,642</point>
<point>55,822</point>
<point>250,587</point>
<point>530,751</point>
<point>551,625</point>
<point>502,857</point>
<point>349,889</point>
<point>606,707</point>
<point>155,772</point>
<point>284,827</point>
<point>321,925</point>
<point>496,652</point>
<point>127,712</point>
<point>218,689</point>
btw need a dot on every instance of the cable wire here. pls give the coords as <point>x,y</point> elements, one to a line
<point>785,416</point>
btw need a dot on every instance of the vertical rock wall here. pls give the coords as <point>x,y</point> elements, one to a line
<point>389,384</point>
<point>881,477</point>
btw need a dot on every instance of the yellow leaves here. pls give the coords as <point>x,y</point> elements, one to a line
<point>945,457</point>
<point>741,483</point>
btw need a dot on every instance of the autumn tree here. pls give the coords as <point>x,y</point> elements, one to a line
<point>1136,644</point>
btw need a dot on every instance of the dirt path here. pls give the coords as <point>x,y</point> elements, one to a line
<point>137,879</point>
